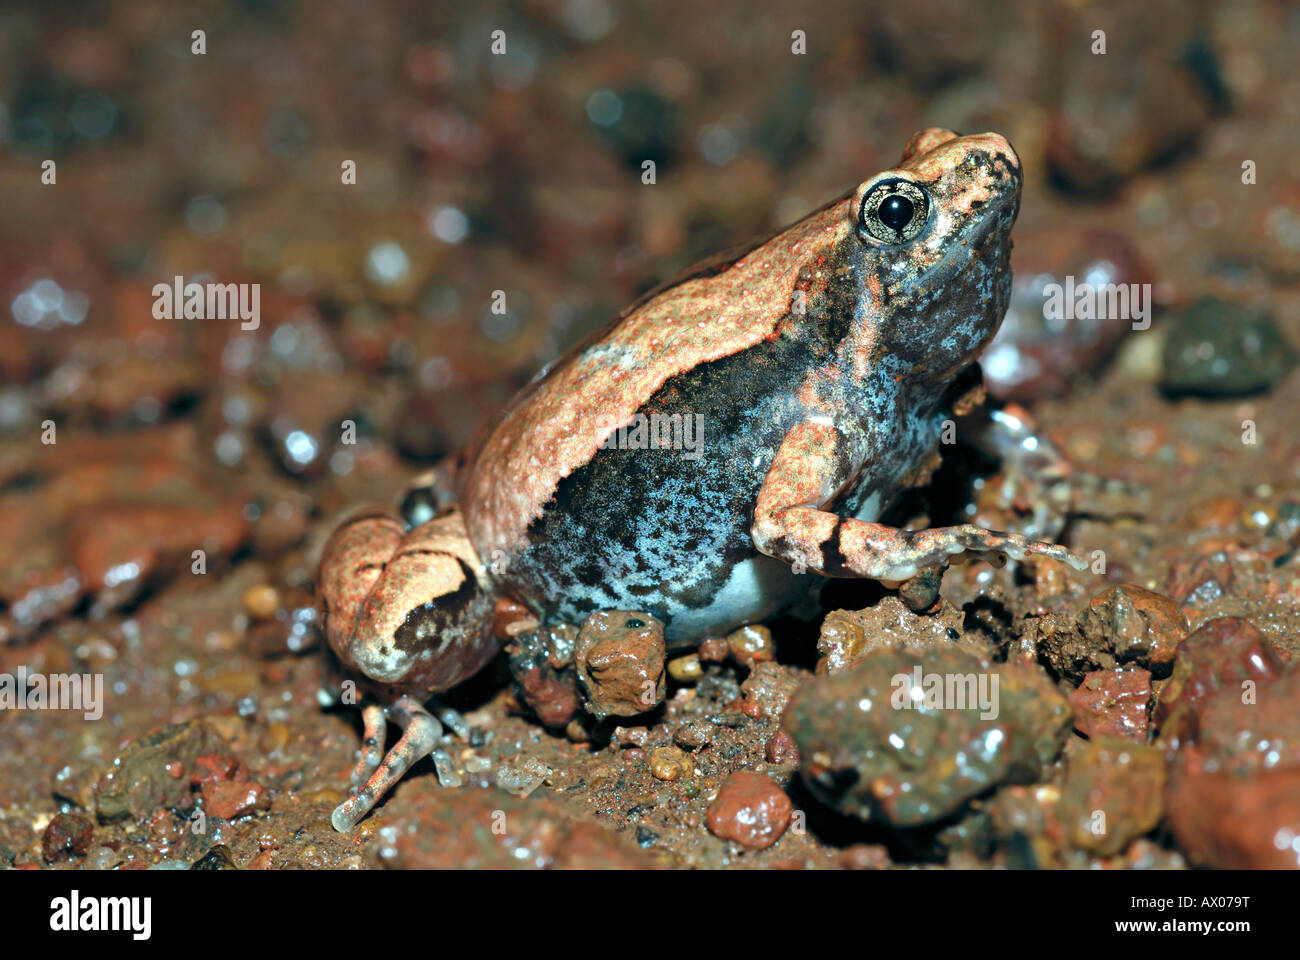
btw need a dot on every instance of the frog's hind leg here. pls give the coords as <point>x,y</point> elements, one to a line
<point>421,732</point>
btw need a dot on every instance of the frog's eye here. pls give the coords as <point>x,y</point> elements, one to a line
<point>894,211</point>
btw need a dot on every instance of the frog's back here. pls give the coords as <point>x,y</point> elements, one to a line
<point>560,422</point>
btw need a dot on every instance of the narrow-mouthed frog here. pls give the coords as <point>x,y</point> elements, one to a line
<point>791,391</point>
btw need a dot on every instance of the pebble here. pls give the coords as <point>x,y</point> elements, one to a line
<point>781,749</point>
<point>620,659</point>
<point>750,645</point>
<point>1222,653</point>
<point>1219,349</point>
<point>670,763</point>
<point>1113,703</point>
<point>230,800</point>
<point>66,837</point>
<point>695,734</point>
<point>1232,822</point>
<point>750,809</point>
<point>685,669</point>
<point>713,650</point>
<point>1113,793</point>
<point>261,601</point>
<point>521,775</point>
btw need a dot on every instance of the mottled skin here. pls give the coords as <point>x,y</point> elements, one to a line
<point>821,361</point>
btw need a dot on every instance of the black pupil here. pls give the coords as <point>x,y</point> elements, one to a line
<point>895,211</point>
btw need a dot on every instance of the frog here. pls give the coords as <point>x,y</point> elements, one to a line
<point>735,428</point>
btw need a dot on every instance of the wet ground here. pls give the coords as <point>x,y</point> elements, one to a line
<point>166,485</point>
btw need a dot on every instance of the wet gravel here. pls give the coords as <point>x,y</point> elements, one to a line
<point>166,485</point>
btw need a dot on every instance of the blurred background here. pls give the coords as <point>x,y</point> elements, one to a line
<point>522,172</point>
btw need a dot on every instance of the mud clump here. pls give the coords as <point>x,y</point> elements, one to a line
<point>1123,625</point>
<point>153,772</point>
<point>908,736</point>
<point>849,635</point>
<point>546,680</point>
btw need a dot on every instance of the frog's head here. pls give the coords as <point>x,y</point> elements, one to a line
<point>935,241</point>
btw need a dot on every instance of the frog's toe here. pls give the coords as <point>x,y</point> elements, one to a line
<point>372,744</point>
<point>1018,548</point>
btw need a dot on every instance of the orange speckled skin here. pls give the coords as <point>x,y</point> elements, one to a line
<point>819,362</point>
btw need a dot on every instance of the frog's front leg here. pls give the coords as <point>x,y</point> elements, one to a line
<point>790,524</point>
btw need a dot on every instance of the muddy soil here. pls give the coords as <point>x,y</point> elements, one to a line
<point>166,485</point>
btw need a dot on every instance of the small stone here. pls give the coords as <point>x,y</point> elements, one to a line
<point>751,644</point>
<point>1140,624</point>
<point>713,650</point>
<point>521,775</point>
<point>1232,822</point>
<point>631,736</point>
<point>216,766</point>
<point>218,858</point>
<point>541,661</point>
<point>670,763</point>
<point>229,800</point>
<point>685,669</point>
<point>261,601</point>
<point>275,738</point>
<point>1124,625</point>
<point>1113,793</point>
<point>67,837</point>
<point>863,856</point>
<point>695,734</point>
<point>751,810</point>
<point>1113,703</point>
<point>781,749</point>
<point>620,659</point>
<point>1224,652</point>
<point>1220,349</point>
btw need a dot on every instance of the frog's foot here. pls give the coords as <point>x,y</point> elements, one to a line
<point>884,553</point>
<point>421,734</point>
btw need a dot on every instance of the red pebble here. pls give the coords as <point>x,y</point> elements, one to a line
<point>1113,703</point>
<point>750,809</point>
<point>228,800</point>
